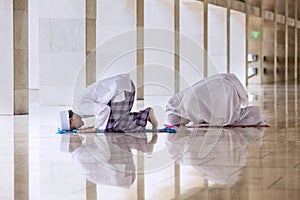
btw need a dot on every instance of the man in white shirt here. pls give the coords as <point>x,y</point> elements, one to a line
<point>110,100</point>
<point>215,101</point>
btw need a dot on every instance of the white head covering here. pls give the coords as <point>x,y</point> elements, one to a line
<point>63,120</point>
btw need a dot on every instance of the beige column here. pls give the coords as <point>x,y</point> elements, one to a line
<point>262,46</point>
<point>228,34</point>
<point>247,39</point>
<point>90,40</point>
<point>275,42</point>
<point>20,45</point>
<point>275,63</point>
<point>205,42</point>
<point>140,48</point>
<point>286,55</point>
<point>177,45</point>
<point>21,167</point>
<point>296,42</point>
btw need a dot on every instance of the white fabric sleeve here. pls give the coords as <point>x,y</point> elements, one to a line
<point>102,113</point>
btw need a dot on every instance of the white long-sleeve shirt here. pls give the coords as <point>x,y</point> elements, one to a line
<point>94,99</point>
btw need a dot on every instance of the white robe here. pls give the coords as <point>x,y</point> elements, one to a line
<point>94,99</point>
<point>216,100</point>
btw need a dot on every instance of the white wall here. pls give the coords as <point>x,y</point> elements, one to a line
<point>238,45</point>
<point>62,48</point>
<point>115,37</point>
<point>33,43</point>
<point>217,37</point>
<point>6,57</point>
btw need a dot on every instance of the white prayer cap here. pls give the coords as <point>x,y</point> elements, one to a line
<point>65,142</point>
<point>63,120</point>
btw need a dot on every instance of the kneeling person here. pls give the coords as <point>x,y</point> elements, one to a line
<point>110,100</point>
<point>216,101</point>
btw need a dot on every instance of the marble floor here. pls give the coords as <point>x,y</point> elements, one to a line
<point>209,163</point>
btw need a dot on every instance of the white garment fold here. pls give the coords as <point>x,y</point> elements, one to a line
<point>216,101</point>
<point>94,99</point>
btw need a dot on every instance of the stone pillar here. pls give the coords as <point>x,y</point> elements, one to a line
<point>296,43</point>
<point>275,42</point>
<point>90,40</point>
<point>262,46</point>
<point>286,36</point>
<point>90,64</point>
<point>140,49</point>
<point>247,40</point>
<point>20,58</point>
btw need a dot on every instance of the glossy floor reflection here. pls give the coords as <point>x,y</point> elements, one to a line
<point>211,163</point>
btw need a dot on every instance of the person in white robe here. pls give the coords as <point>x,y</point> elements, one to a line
<point>213,101</point>
<point>110,101</point>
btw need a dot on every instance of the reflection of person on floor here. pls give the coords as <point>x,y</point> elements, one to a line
<point>220,154</point>
<point>109,159</point>
<point>110,100</point>
<point>217,101</point>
